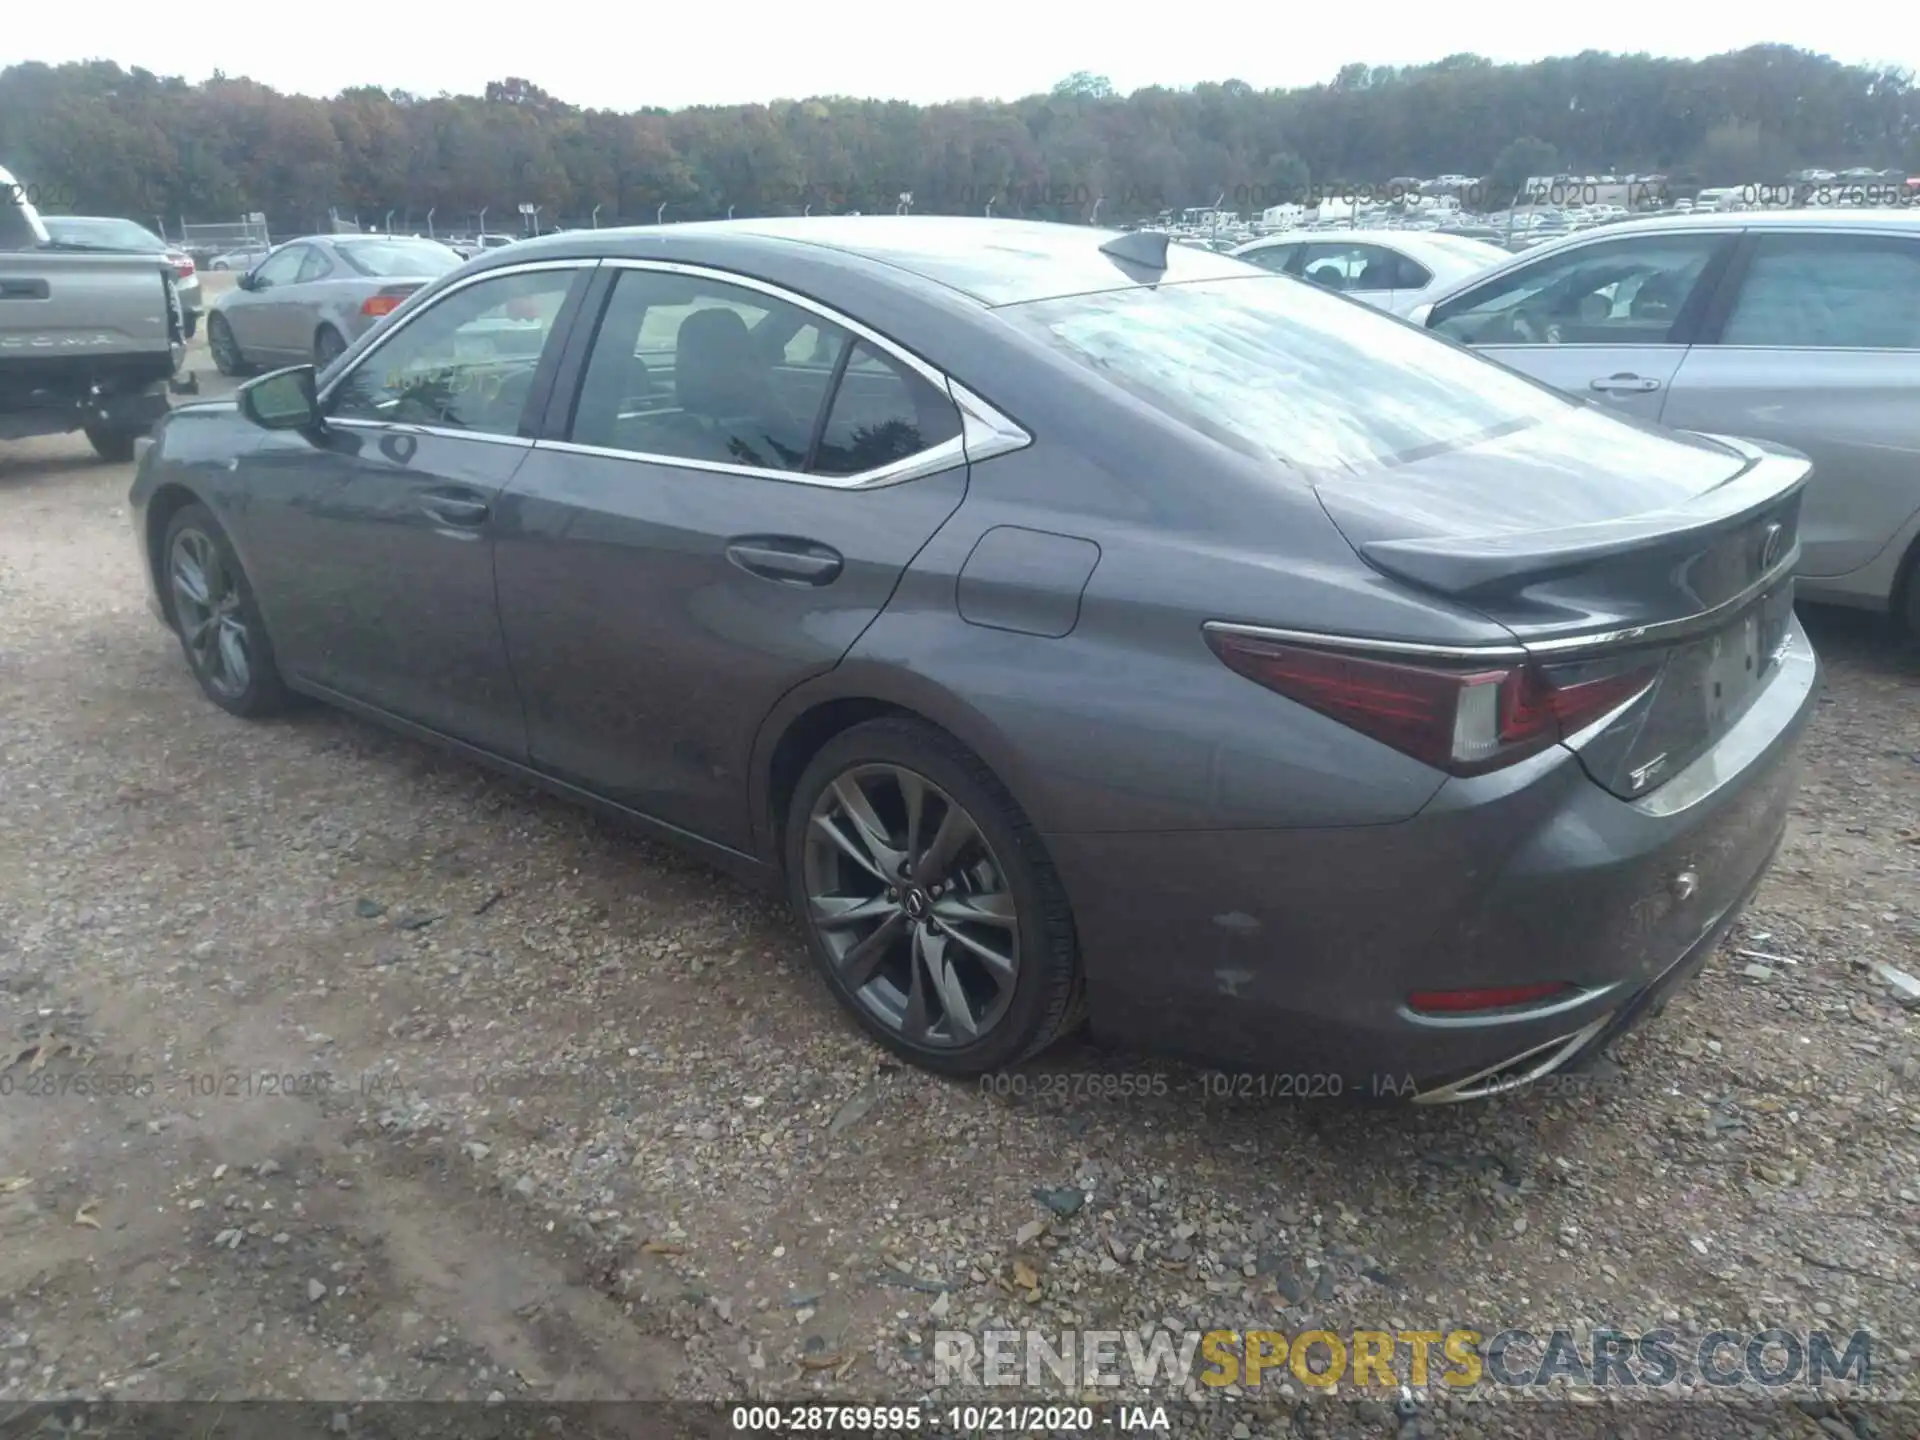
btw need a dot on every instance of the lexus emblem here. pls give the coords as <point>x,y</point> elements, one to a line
<point>1772,541</point>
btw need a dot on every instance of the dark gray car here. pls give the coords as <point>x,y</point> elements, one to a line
<point>1072,625</point>
<point>309,299</point>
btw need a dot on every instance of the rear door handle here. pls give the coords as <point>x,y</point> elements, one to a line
<point>786,559</point>
<point>459,511</point>
<point>1625,384</point>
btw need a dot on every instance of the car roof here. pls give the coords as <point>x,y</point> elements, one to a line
<point>1834,218</point>
<point>1872,222</point>
<point>993,261</point>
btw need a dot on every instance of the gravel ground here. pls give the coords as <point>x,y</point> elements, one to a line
<point>457,1093</point>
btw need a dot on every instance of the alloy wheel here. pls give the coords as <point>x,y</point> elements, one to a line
<point>911,905</point>
<point>207,606</point>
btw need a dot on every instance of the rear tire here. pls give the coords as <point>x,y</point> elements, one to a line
<point>214,613</point>
<point>327,347</point>
<point>115,446</point>
<point>227,357</point>
<point>966,962</point>
<point>1906,609</point>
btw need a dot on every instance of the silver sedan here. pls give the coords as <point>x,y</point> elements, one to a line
<point>311,298</point>
<point>1801,328</point>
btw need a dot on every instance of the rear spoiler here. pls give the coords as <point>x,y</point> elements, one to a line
<point>1463,565</point>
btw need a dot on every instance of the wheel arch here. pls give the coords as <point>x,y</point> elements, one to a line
<point>816,711</point>
<point>166,502</point>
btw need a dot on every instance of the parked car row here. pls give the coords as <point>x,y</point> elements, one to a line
<point>1074,625</point>
<point>1801,327</point>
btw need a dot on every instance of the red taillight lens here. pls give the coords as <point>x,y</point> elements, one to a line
<point>381,304</point>
<point>182,265</point>
<point>1465,722</point>
<point>1499,997</point>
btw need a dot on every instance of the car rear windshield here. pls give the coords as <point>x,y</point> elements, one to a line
<point>107,234</point>
<point>401,257</point>
<point>1285,371</point>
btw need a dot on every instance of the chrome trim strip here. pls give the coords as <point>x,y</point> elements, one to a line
<point>1556,1052</point>
<point>1672,629</point>
<point>1658,631</point>
<point>387,427</point>
<point>986,431</point>
<point>944,456</point>
<point>526,267</point>
<point>1580,998</point>
<point>1492,650</point>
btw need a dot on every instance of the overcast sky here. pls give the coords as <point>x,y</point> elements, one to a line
<point>623,56</point>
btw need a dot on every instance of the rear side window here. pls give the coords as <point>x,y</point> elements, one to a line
<point>882,412</point>
<point>1282,372</point>
<point>1842,292</point>
<point>1271,257</point>
<point>1410,274</point>
<point>692,368</point>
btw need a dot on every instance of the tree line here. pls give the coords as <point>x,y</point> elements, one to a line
<point>105,140</point>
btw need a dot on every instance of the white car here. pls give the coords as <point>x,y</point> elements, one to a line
<point>1394,270</point>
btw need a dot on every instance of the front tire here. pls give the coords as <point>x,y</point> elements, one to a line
<point>929,903</point>
<point>227,358</point>
<point>215,615</point>
<point>1906,607</point>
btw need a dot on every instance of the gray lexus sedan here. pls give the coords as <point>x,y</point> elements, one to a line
<point>1076,627</point>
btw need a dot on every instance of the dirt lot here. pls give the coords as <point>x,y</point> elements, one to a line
<point>457,1093</point>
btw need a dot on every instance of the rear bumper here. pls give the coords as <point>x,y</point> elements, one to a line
<point>1291,953</point>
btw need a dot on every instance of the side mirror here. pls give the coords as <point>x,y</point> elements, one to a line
<point>1420,314</point>
<point>248,281</point>
<point>282,400</point>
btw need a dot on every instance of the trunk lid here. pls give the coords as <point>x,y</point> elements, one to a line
<point>1605,545</point>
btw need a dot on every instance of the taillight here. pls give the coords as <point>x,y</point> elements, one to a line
<point>1465,722</point>
<point>381,304</point>
<point>182,265</point>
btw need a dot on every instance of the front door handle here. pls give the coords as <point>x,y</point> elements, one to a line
<point>786,559</point>
<point>458,511</point>
<point>1625,384</point>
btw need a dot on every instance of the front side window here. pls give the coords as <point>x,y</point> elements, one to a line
<point>315,267</point>
<point>280,268</point>
<point>1843,292</point>
<point>691,368</point>
<point>1281,372</point>
<point>464,363</point>
<point>1619,292</point>
<point>105,234</point>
